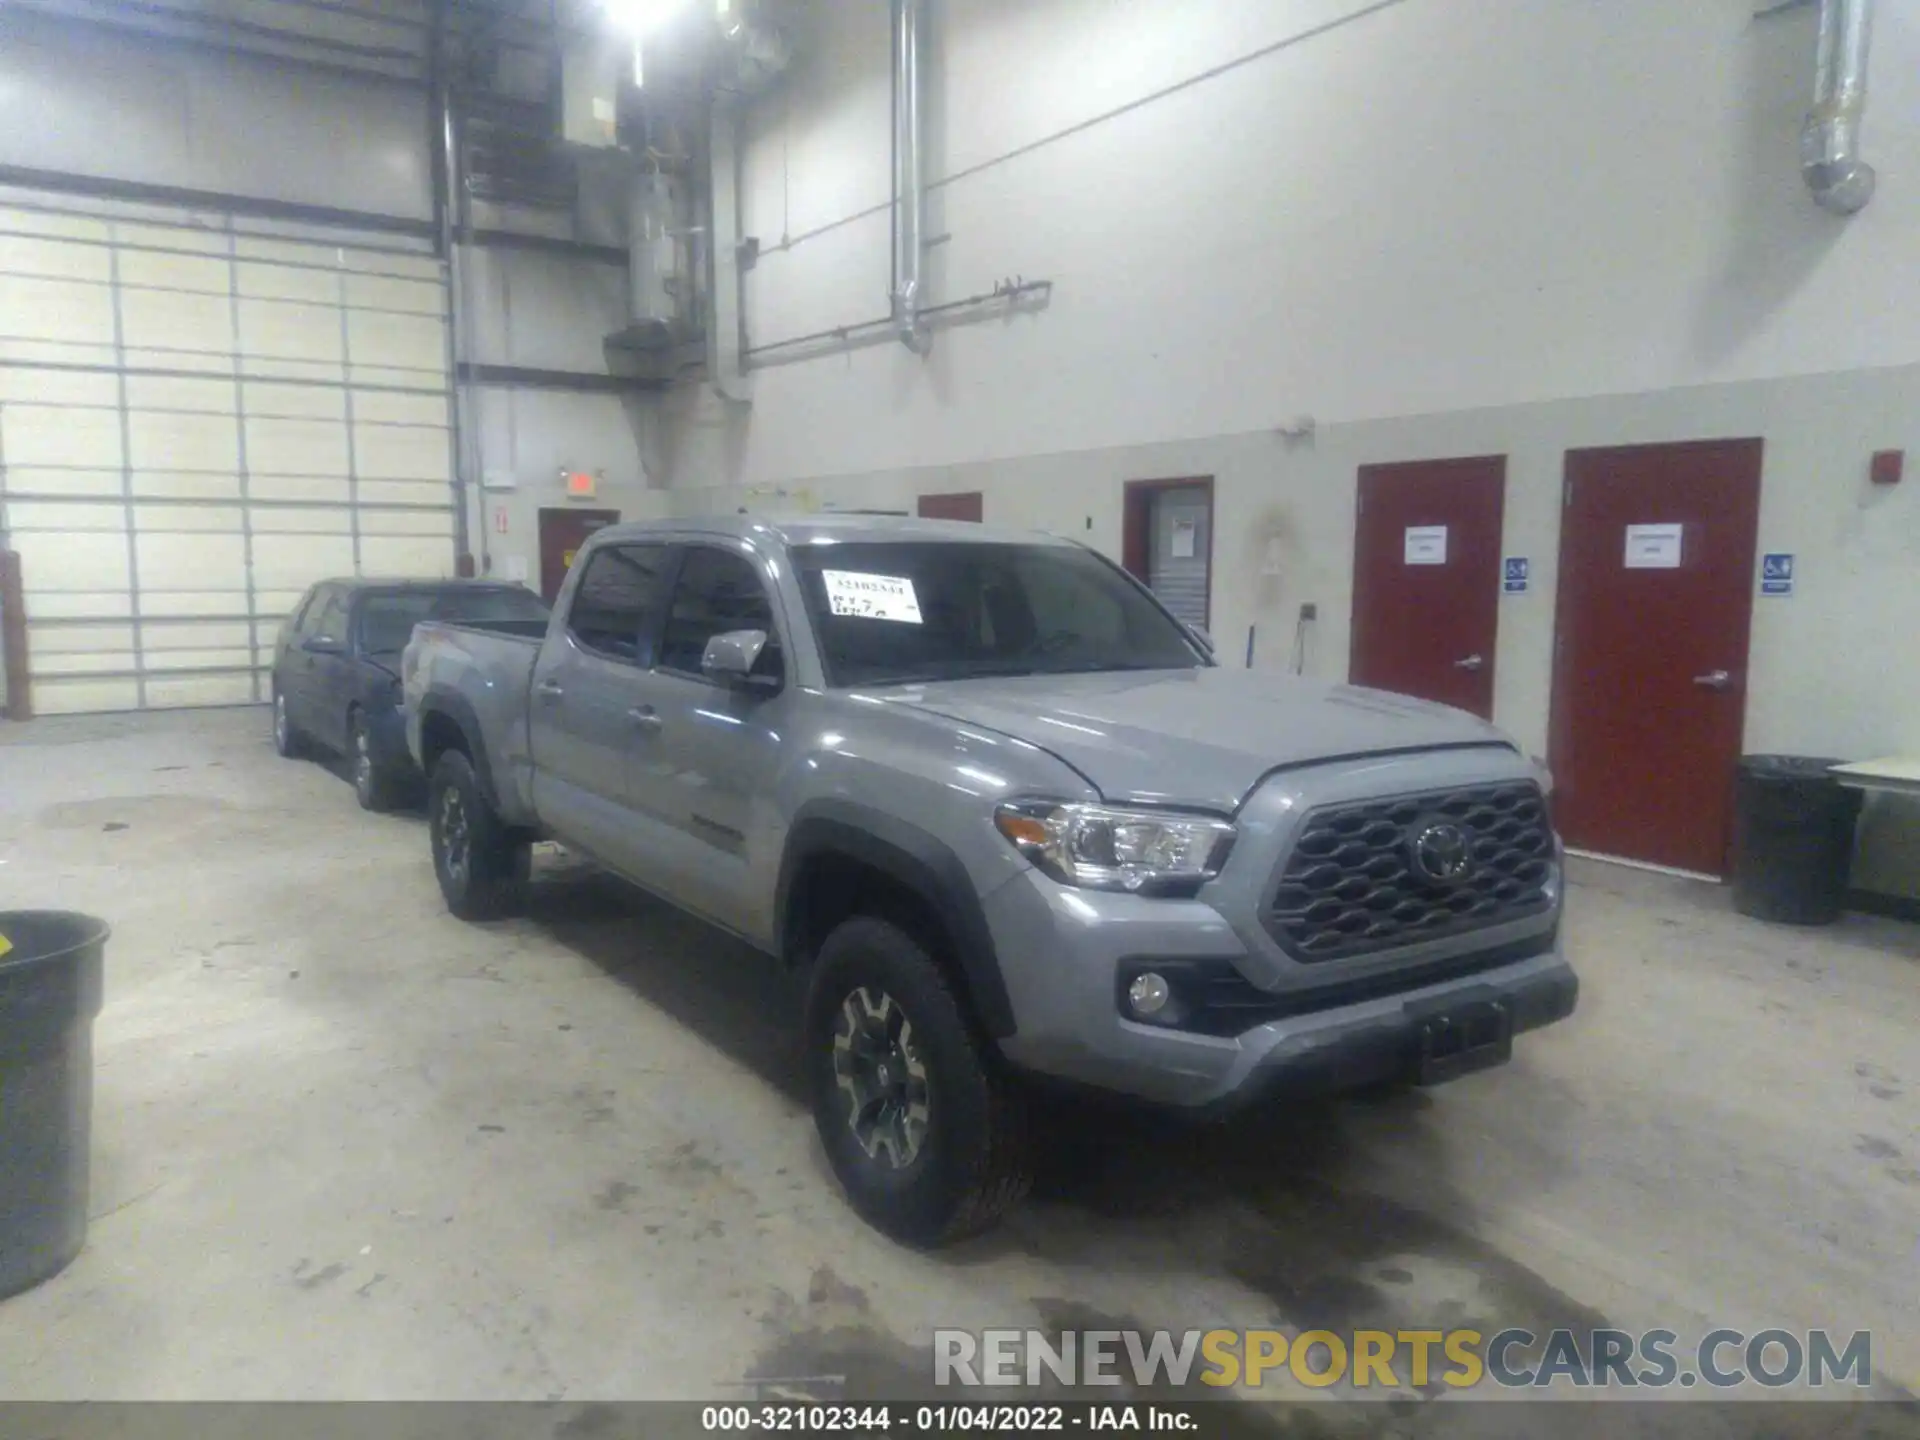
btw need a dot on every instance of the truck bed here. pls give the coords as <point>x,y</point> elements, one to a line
<point>489,667</point>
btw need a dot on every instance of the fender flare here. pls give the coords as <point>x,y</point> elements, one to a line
<point>921,863</point>
<point>452,705</point>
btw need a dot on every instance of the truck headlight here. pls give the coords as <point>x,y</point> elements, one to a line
<point>1101,847</point>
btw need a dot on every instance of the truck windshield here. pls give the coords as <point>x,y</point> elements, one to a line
<point>387,621</point>
<point>896,612</point>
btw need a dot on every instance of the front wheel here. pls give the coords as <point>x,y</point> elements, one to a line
<point>481,864</point>
<point>923,1125</point>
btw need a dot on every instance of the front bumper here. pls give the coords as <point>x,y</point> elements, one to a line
<point>1071,950</point>
<point>1249,1016</point>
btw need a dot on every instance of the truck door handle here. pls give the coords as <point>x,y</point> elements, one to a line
<point>1472,662</point>
<point>1714,680</point>
<point>549,690</point>
<point>644,718</point>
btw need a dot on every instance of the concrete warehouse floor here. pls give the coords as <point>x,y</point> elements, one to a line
<point>346,1146</point>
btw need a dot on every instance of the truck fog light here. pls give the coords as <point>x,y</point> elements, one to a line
<point>1148,994</point>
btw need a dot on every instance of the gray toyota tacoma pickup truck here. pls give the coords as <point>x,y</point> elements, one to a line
<point>1013,821</point>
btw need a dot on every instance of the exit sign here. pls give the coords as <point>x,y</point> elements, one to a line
<point>582,485</point>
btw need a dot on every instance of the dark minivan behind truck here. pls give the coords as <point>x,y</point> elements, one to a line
<point>336,668</point>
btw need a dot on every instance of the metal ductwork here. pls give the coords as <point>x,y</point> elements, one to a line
<point>1830,140</point>
<point>909,182</point>
<point>658,270</point>
<point>756,51</point>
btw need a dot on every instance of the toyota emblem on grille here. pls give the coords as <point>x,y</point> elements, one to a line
<point>1440,853</point>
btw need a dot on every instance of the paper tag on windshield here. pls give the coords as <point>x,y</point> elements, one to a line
<point>871,597</point>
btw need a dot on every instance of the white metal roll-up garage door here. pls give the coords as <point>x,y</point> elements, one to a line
<point>197,420</point>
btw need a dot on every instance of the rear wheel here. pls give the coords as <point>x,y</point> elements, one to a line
<point>374,787</point>
<point>926,1129</point>
<point>481,864</point>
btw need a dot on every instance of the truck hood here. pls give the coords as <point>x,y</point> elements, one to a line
<point>1201,737</point>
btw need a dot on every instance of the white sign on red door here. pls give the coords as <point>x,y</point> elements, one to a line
<point>1653,547</point>
<point>1426,545</point>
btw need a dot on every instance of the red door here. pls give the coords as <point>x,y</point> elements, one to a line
<point>966,505</point>
<point>562,533</point>
<point>1426,579</point>
<point>1650,652</point>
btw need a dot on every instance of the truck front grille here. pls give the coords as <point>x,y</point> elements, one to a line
<point>1374,876</point>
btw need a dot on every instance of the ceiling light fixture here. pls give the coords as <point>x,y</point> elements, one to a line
<point>642,17</point>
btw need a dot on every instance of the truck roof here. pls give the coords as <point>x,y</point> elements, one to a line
<point>845,526</point>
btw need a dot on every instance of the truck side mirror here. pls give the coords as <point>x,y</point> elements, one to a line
<point>731,656</point>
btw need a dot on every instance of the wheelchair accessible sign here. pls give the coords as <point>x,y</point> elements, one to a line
<point>1776,574</point>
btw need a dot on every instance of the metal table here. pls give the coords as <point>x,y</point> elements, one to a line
<point>1893,774</point>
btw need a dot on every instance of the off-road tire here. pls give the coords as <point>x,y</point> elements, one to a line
<point>481,863</point>
<point>973,1163</point>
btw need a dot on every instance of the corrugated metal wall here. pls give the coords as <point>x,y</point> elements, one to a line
<point>196,421</point>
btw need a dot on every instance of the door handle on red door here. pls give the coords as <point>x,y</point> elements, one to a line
<point>1472,662</point>
<point>1714,680</point>
<point>644,718</point>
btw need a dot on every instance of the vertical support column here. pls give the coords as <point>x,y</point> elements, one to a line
<point>449,183</point>
<point>245,476</point>
<point>346,391</point>
<point>126,470</point>
<point>13,624</point>
<point>13,637</point>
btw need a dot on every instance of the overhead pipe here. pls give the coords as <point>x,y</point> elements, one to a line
<point>447,180</point>
<point>909,175</point>
<point>1830,140</point>
<point>1010,296</point>
<point>726,297</point>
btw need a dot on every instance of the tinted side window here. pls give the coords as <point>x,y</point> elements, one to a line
<point>616,607</point>
<point>718,591</point>
<point>297,625</point>
<point>332,619</point>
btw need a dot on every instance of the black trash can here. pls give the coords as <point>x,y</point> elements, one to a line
<point>1793,827</point>
<point>50,985</point>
